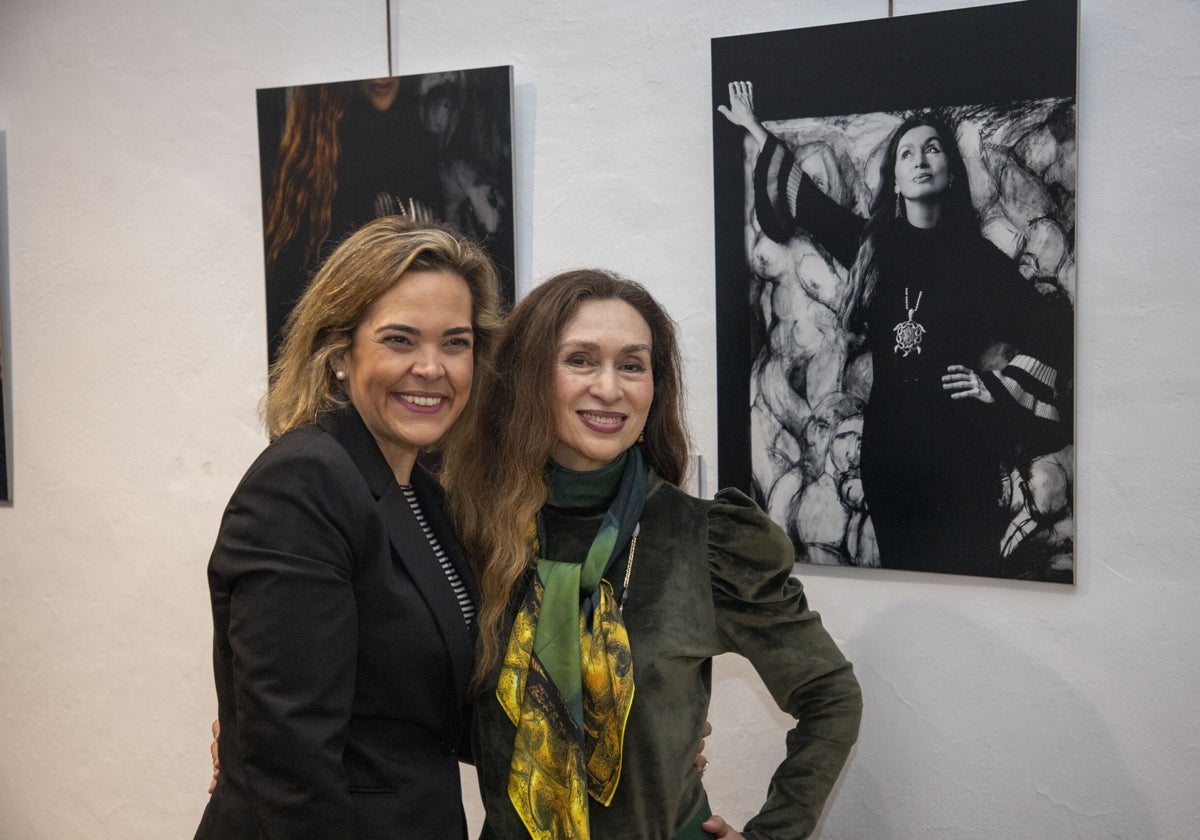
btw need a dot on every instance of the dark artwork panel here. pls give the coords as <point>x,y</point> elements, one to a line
<point>333,156</point>
<point>895,249</point>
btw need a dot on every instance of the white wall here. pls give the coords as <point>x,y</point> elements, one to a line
<point>993,709</point>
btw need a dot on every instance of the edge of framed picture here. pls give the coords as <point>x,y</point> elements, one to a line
<point>5,331</point>
<point>894,204</point>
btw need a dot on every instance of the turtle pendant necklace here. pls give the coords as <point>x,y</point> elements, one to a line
<point>908,332</point>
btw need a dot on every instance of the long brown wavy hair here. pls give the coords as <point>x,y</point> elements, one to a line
<point>305,179</point>
<point>496,492</point>
<point>364,266</point>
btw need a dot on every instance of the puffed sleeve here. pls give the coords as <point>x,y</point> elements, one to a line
<point>763,615</point>
<point>282,569</point>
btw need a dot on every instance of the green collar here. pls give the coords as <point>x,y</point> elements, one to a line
<point>587,489</point>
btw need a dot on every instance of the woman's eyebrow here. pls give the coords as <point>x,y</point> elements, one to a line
<point>409,330</point>
<point>404,328</point>
<point>594,347</point>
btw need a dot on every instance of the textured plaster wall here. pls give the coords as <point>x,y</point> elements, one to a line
<point>993,709</point>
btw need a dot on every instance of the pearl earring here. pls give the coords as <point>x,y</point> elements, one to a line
<point>341,375</point>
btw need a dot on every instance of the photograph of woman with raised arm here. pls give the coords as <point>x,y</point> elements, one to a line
<point>959,351</point>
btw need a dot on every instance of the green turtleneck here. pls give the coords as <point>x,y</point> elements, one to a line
<point>573,489</point>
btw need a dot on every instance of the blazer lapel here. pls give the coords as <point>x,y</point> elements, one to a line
<point>409,546</point>
<point>412,550</point>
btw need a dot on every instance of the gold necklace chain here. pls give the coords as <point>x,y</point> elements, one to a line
<point>628,569</point>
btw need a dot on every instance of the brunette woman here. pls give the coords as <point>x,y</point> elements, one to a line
<point>607,589</point>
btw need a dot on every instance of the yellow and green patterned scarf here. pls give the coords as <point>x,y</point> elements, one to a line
<point>567,678</point>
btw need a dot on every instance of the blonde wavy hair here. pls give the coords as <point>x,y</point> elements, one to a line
<point>364,266</point>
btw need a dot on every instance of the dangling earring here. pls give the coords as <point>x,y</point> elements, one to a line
<point>899,205</point>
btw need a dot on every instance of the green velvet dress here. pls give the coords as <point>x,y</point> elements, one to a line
<point>709,577</point>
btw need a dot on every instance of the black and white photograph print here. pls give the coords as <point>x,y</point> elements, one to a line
<point>333,156</point>
<point>896,287</point>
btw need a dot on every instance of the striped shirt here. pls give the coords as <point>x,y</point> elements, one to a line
<point>460,589</point>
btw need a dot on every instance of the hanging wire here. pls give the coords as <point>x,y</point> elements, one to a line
<point>889,15</point>
<point>388,4</point>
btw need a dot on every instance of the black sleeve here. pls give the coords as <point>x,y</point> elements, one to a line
<point>1029,389</point>
<point>786,200</point>
<point>284,561</point>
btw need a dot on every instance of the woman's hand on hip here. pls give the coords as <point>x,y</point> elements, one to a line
<point>964,383</point>
<point>717,827</point>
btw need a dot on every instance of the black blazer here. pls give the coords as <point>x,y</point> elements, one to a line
<point>341,655</point>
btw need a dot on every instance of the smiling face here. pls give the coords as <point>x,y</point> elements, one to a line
<point>922,168</point>
<point>409,366</point>
<point>604,384</point>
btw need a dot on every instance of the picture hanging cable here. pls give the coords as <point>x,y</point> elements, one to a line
<point>388,4</point>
